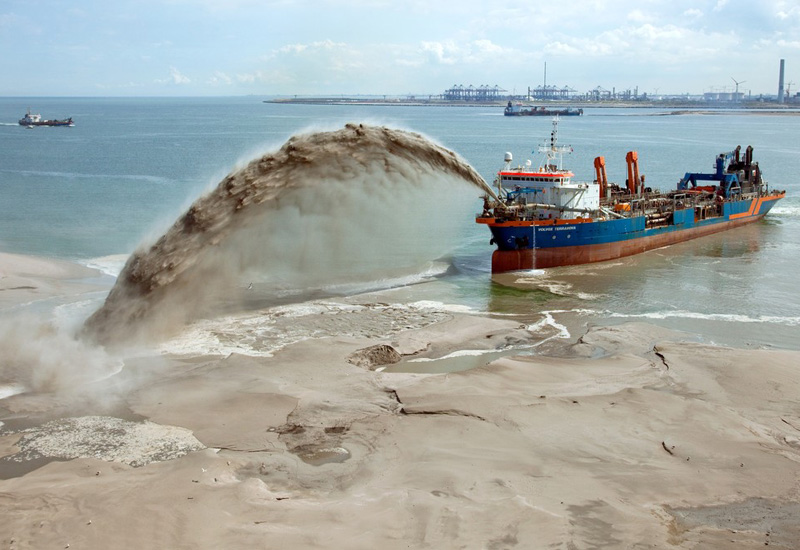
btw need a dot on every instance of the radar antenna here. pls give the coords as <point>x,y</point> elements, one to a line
<point>553,151</point>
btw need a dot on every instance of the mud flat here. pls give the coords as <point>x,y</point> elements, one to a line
<point>628,437</point>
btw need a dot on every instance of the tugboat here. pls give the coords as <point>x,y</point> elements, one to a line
<point>31,120</point>
<point>540,218</point>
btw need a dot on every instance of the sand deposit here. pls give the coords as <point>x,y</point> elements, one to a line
<point>622,437</point>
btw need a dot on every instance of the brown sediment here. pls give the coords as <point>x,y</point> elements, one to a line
<point>374,356</point>
<point>177,271</point>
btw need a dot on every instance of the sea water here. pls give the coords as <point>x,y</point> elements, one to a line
<point>129,167</point>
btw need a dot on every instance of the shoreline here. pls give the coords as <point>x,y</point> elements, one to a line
<point>26,278</point>
<point>680,107</point>
<point>626,433</point>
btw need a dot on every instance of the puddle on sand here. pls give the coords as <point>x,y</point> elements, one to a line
<point>448,363</point>
<point>317,456</point>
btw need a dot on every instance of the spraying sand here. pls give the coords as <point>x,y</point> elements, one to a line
<point>307,213</point>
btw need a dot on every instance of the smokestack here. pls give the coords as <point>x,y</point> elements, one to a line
<point>780,82</point>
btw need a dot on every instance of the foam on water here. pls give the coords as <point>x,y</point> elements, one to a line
<point>436,269</point>
<point>441,306</point>
<point>110,265</point>
<point>541,279</point>
<point>720,317</point>
<point>7,390</point>
<point>786,209</point>
<point>104,177</point>
<point>264,333</point>
<point>548,323</point>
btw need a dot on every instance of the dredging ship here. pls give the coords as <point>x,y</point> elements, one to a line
<point>32,119</point>
<point>540,218</point>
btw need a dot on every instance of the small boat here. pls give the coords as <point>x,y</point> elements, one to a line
<point>518,109</point>
<point>31,120</point>
<point>540,218</point>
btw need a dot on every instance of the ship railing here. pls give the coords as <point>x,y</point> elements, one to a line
<point>684,200</point>
<point>637,205</point>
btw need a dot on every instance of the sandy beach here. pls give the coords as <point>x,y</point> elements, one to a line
<point>628,436</point>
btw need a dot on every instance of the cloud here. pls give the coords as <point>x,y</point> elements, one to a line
<point>220,78</point>
<point>382,67</point>
<point>310,67</point>
<point>248,78</point>
<point>638,16</point>
<point>294,49</point>
<point>291,48</point>
<point>487,47</point>
<point>305,47</point>
<point>787,12</point>
<point>646,43</point>
<point>580,47</point>
<point>445,53</point>
<point>178,77</point>
<point>562,49</point>
<point>175,77</point>
<point>793,44</point>
<point>474,52</point>
<point>413,63</point>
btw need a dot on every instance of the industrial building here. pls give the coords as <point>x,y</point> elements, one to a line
<point>545,92</point>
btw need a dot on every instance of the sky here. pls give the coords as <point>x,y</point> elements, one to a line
<point>397,47</point>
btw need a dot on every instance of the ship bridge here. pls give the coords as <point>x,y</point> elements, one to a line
<point>548,189</point>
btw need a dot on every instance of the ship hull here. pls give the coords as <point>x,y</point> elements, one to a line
<point>542,112</point>
<point>561,244</point>
<point>47,123</point>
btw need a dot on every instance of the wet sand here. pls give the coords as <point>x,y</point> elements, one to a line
<point>629,436</point>
<point>24,279</point>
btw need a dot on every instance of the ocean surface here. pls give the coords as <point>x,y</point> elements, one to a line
<point>129,167</point>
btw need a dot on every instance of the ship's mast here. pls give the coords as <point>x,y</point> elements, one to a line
<point>553,151</point>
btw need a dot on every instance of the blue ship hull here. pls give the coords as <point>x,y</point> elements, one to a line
<point>553,243</point>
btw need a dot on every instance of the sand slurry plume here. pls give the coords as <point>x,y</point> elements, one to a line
<point>318,207</point>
